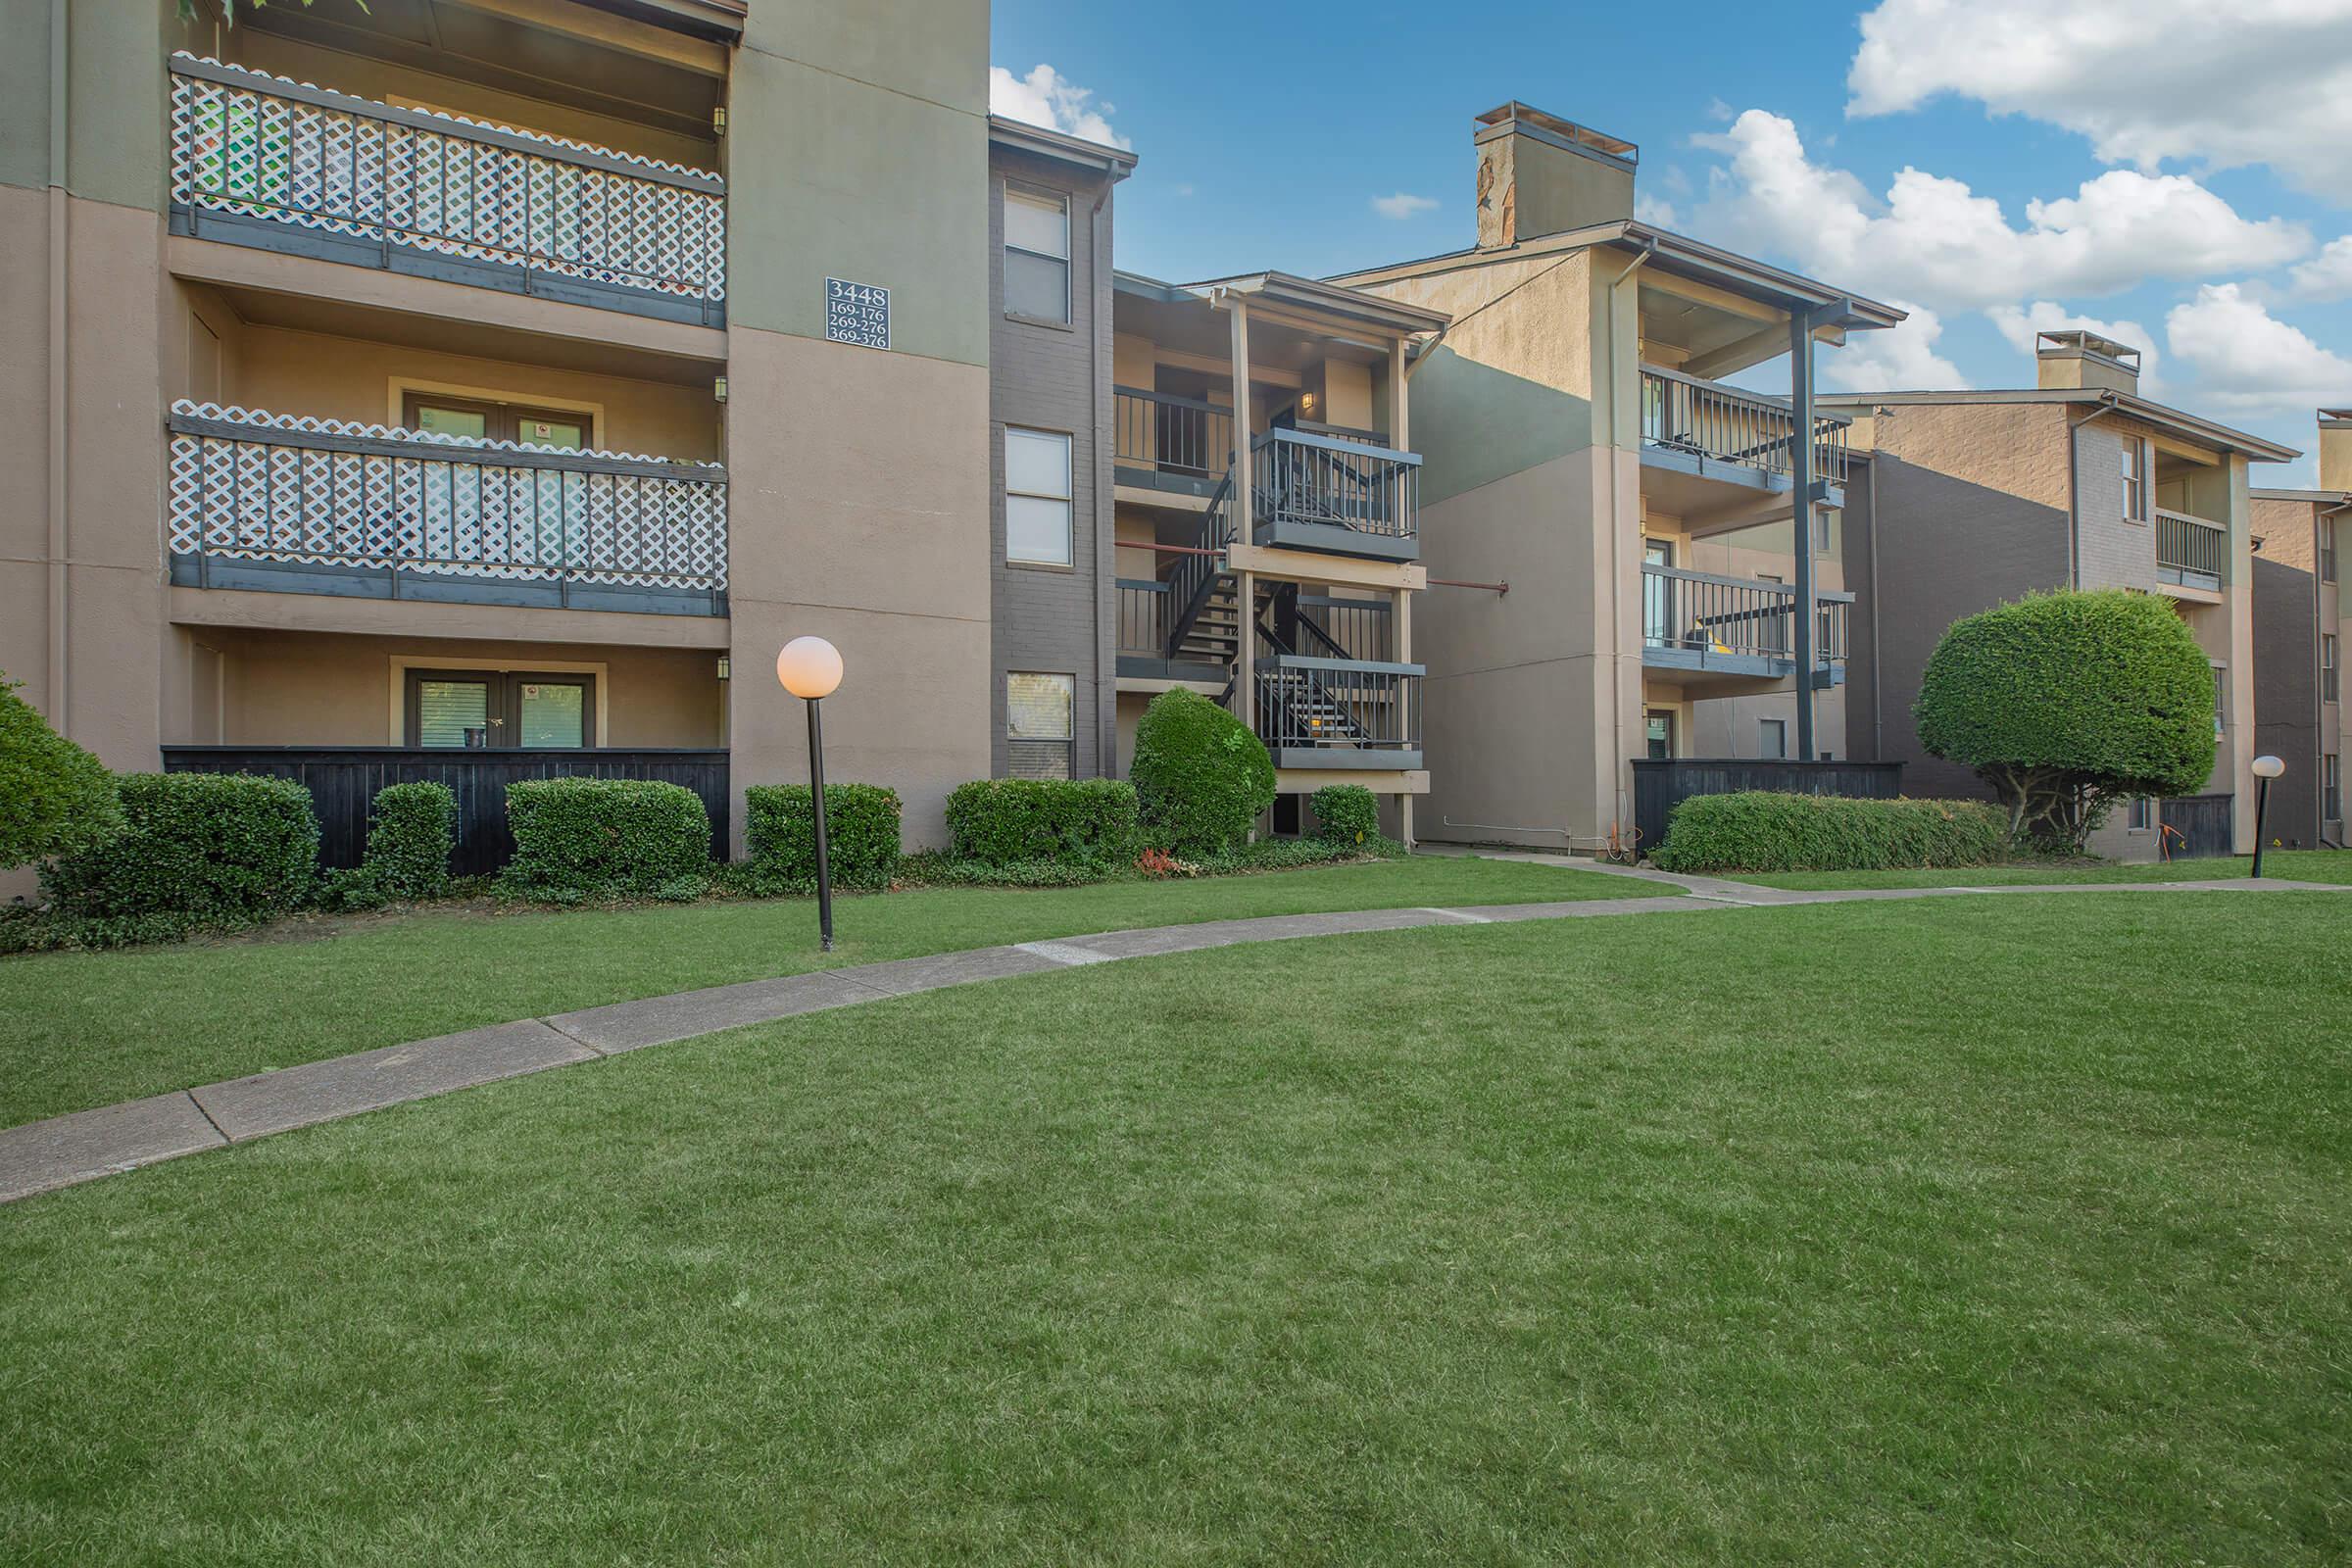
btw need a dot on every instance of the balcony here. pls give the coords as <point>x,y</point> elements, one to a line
<point>1341,494</point>
<point>292,504</point>
<point>1176,444</point>
<point>1720,635</point>
<point>1339,713</point>
<point>1711,447</point>
<point>258,160</point>
<point>2191,553</point>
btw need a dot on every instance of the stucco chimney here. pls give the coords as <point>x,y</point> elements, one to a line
<point>2336,449</point>
<point>1538,175</point>
<point>2077,358</point>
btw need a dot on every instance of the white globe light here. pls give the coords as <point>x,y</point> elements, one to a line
<point>2268,767</point>
<point>809,666</point>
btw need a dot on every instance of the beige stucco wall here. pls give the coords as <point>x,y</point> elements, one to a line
<point>2017,448</point>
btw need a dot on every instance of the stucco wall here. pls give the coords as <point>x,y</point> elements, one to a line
<point>2286,698</point>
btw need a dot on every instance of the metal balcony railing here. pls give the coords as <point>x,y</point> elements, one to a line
<point>259,500</point>
<point>1299,478</point>
<point>1697,613</point>
<point>2191,553</point>
<point>1360,714</point>
<point>1142,617</point>
<point>278,162</point>
<point>1346,628</point>
<point>1706,419</point>
<point>1172,434</point>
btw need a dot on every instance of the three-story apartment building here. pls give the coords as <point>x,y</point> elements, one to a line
<point>2302,625</point>
<point>1582,447</point>
<point>1971,498</point>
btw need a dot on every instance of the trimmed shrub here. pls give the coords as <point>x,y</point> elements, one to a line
<point>1201,779</point>
<point>1082,822</point>
<point>1762,830</point>
<point>2066,703</point>
<point>54,798</point>
<point>602,838</point>
<point>411,832</point>
<point>862,837</point>
<point>219,847</point>
<point>932,868</point>
<point>1346,814</point>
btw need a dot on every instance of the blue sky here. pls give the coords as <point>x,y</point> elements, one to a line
<point>1995,164</point>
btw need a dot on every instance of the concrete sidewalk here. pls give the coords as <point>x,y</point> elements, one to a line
<point>63,1150</point>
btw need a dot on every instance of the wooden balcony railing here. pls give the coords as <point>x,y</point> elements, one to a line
<point>1707,420</point>
<point>320,506</point>
<point>2191,553</point>
<point>1746,618</point>
<point>264,161</point>
<point>1171,434</point>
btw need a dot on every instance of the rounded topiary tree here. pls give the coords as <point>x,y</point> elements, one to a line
<point>2065,703</point>
<point>54,798</point>
<point>1201,779</point>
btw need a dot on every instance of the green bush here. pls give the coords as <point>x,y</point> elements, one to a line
<point>1082,822</point>
<point>411,832</point>
<point>2066,703</point>
<point>862,837</point>
<point>936,870</point>
<point>1346,814</point>
<point>222,848</point>
<point>1201,779</point>
<point>1761,830</point>
<point>602,838</point>
<point>54,798</point>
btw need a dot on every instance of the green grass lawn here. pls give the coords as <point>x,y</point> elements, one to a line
<point>2300,866</point>
<point>79,1030</point>
<point>1965,1231</point>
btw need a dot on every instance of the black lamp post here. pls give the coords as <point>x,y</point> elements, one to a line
<point>2266,769</point>
<point>809,667</point>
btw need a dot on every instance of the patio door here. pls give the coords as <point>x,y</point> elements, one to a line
<point>480,419</point>
<point>475,710</point>
<point>1657,594</point>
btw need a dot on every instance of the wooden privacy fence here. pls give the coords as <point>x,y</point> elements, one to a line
<point>1661,784</point>
<point>343,781</point>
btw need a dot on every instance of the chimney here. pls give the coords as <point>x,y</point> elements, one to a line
<point>2336,449</point>
<point>1538,175</point>
<point>2077,358</point>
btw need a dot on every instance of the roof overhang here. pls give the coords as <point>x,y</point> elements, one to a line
<point>2317,498</point>
<point>719,21</point>
<point>1019,136</point>
<point>2219,436</point>
<point>1343,306</point>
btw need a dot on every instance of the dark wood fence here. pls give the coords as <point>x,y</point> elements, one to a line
<point>2203,823</point>
<point>1661,784</point>
<point>343,780</point>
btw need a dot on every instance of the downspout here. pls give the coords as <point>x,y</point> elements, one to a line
<point>58,497</point>
<point>1618,765</point>
<point>2073,489</point>
<point>1107,718</point>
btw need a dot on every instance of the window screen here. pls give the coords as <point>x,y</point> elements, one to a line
<point>1038,714</point>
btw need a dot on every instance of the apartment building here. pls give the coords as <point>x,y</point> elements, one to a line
<point>2302,625</point>
<point>1964,499</point>
<point>1670,542</point>
<point>510,375</point>
<point>1268,522</point>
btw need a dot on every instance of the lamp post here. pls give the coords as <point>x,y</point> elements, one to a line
<point>2266,769</point>
<point>809,667</point>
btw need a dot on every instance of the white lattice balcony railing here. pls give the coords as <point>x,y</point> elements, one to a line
<point>272,502</point>
<point>264,160</point>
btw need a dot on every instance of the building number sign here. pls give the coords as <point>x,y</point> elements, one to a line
<point>856,313</point>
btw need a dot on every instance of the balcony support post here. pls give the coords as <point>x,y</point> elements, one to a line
<point>1800,472</point>
<point>1409,723</point>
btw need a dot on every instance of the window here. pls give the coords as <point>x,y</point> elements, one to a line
<point>1658,732</point>
<point>2330,678</point>
<point>2143,815</point>
<point>2135,482</point>
<point>2331,788</point>
<point>1825,522</point>
<point>1779,615</point>
<point>1657,594</point>
<point>2327,552</point>
<point>1037,255</point>
<point>1037,497</point>
<point>478,419</point>
<point>1037,713</point>
<point>1775,741</point>
<point>2221,698</point>
<point>476,708</point>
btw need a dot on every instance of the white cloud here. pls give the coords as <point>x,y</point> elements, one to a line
<point>2327,275</point>
<point>1898,358</point>
<point>2250,81</point>
<point>1935,240</point>
<point>1651,210</point>
<point>2248,361</point>
<point>1045,97</point>
<point>1404,205</point>
<point>2023,328</point>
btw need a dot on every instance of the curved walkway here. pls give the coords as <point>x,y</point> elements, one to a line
<point>63,1150</point>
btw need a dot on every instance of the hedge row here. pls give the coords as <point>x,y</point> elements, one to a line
<point>1008,821</point>
<point>222,848</point>
<point>1762,830</point>
<point>862,837</point>
<point>604,837</point>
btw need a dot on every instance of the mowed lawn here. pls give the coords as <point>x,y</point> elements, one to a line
<point>79,1030</point>
<point>1975,1230</point>
<point>2294,865</point>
